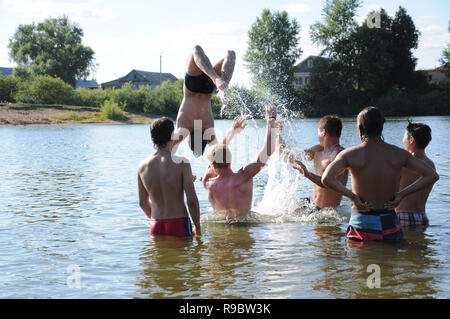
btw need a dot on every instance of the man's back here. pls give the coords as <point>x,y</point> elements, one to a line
<point>163,180</point>
<point>325,197</point>
<point>375,168</point>
<point>414,203</point>
<point>232,191</point>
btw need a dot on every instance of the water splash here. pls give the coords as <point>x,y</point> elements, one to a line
<point>285,187</point>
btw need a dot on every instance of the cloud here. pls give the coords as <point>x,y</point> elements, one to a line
<point>296,8</point>
<point>432,29</point>
<point>117,55</point>
<point>77,10</point>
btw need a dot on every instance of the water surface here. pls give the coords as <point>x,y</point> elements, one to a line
<point>69,201</point>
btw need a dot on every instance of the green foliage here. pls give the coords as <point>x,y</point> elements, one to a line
<point>44,89</point>
<point>338,23</point>
<point>52,47</point>
<point>88,97</point>
<point>369,65</point>
<point>112,111</point>
<point>272,51</point>
<point>134,100</point>
<point>167,98</point>
<point>8,87</point>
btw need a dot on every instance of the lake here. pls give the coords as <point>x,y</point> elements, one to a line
<point>71,226</point>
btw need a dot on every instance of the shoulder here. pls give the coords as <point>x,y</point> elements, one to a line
<point>144,163</point>
<point>315,148</point>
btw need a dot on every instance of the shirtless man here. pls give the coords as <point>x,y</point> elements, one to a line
<point>329,132</point>
<point>411,210</point>
<point>229,193</point>
<point>165,178</point>
<point>200,82</point>
<point>376,168</point>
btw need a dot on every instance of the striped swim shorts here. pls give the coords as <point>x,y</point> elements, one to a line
<point>412,219</point>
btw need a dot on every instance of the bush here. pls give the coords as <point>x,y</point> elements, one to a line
<point>8,88</point>
<point>112,111</point>
<point>44,89</point>
<point>134,100</point>
<point>87,97</point>
<point>167,98</point>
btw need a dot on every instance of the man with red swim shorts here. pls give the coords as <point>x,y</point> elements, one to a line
<point>165,178</point>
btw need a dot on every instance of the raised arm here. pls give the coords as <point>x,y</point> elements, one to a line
<point>429,176</point>
<point>237,127</point>
<point>255,166</point>
<point>144,202</point>
<point>191,196</point>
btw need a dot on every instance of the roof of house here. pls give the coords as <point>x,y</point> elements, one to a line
<point>439,68</point>
<point>154,76</point>
<point>6,71</point>
<point>85,83</point>
<point>145,76</point>
<point>303,67</point>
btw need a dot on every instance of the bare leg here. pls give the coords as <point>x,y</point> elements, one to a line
<point>225,66</point>
<point>199,62</point>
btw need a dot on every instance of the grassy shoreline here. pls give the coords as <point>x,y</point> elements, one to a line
<point>12,114</point>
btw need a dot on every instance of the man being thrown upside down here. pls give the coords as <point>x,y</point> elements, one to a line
<point>195,117</point>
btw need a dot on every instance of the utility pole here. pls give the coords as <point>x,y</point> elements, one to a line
<point>160,68</point>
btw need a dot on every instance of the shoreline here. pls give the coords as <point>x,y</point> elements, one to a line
<point>40,115</point>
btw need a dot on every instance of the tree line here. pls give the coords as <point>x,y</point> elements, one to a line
<point>361,65</point>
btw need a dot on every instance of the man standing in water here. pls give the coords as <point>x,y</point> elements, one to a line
<point>328,133</point>
<point>200,82</point>
<point>411,210</point>
<point>229,193</point>
<point>165,178</point>
<point>376,168</point>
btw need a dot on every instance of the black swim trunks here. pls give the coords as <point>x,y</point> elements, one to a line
<point>197,137</point>
<point>199,84</point>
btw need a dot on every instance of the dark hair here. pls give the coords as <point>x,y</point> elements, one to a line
<point>370,122</point>
<point>421,133</point>
<point>161,131</point>
<point>332,124</point>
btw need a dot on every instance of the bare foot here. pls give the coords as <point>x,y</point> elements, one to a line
<point>222,97</point>
<point>221,84</point>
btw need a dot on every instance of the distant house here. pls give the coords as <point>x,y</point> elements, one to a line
<point>88,84</point>
<point>138,78</point>
<point>6,71</point>
<point>437,75</point>
<point>303,71</point>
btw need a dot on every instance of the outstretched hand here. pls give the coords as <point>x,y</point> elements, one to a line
<point>239,123</point>
<point>301,167</point>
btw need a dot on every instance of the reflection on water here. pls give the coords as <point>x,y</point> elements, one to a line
<point>69,198</point>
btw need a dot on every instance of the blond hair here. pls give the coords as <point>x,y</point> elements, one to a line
<point>220,155</point>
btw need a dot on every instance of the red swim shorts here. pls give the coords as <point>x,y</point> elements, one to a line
<point>180,227</point>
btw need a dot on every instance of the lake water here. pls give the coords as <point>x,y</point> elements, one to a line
<point>69,207</point>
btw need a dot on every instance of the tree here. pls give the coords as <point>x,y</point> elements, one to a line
<point>338,24</point>
<point>445,58</point>
<point>52,47</point>
<point>272,51</point>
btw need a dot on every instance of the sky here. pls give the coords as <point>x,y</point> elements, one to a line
<point>133,34</point>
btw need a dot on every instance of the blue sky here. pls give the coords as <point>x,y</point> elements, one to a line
<point>132,34</point>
